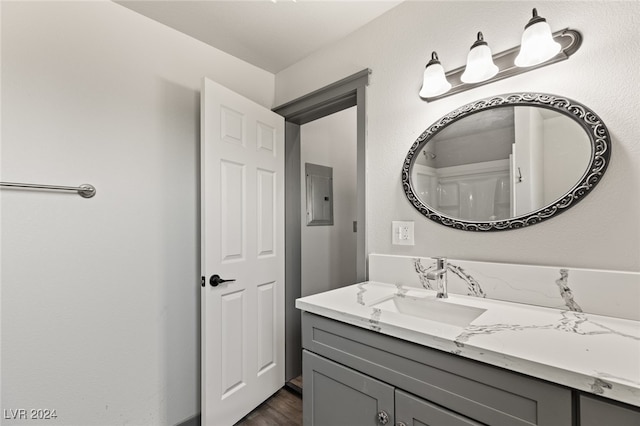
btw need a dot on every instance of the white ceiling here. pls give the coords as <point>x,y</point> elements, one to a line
<point>269,34</point>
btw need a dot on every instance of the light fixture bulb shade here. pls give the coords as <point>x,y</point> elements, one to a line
<point>434,82</point>
<point>537,45</point>
<point>480,66</point>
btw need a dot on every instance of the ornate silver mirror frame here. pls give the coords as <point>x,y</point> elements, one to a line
<point>590,122</point>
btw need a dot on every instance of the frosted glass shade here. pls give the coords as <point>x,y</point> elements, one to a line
<point>434,82</point>
<point>537,45</point>
<point>480,66</point>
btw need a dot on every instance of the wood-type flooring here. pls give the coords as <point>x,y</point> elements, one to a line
<point>284,408</point>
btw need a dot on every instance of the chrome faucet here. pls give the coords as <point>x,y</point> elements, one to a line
<point>440,275</point>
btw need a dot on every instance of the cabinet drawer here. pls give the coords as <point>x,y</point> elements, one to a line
<point>484,393</point>
<point>598,412</point>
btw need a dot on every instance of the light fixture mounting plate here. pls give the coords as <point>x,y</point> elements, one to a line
<point>569,39</point>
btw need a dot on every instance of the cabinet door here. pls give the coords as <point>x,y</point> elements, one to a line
<point>599,412</point>
<point>413,411</point>
<point>335,395</point>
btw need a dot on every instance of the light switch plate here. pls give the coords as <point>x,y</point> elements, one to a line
<point>402,233</point>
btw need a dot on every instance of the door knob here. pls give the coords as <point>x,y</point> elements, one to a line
<point>215,280</point>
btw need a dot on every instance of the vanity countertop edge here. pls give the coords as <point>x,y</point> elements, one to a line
<point>592,353</point>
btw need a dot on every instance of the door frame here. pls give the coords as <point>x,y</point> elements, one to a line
<point>338,96</point>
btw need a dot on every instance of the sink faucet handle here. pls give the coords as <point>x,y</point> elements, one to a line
<point>440,275</point>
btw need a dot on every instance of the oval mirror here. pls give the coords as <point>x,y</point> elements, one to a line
<point>506,162</point>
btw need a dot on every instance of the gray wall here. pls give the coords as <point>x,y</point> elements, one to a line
<point>100,296</point>
<point>329,252</point>
<point>600,232</point>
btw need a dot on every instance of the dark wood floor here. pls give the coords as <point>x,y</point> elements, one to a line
<point>284,408</point>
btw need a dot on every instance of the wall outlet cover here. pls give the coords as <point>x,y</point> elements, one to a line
<point>402,233</point>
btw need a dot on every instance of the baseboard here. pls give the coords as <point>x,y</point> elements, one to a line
<point>191,421</point>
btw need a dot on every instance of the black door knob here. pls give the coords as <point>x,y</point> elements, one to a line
<point>215,280</point>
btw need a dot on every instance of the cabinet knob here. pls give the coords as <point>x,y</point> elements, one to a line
<point>383,417</point>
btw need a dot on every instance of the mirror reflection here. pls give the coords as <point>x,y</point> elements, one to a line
<point>501,163</point>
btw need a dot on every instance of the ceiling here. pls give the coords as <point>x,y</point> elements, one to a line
<point>269,34</point>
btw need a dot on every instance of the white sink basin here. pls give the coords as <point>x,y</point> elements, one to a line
<point>430,308</point>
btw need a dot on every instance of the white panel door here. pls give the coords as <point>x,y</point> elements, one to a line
<point>242,202</point>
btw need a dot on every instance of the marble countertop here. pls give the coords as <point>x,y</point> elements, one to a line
<point>591,353</point>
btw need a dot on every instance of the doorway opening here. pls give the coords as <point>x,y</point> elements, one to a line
<point>346,93</point>
<point>329,203</point>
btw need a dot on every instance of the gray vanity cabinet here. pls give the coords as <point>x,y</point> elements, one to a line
<point>352,375</point>
<point>598,412</point>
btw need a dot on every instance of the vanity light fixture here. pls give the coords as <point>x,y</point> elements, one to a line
<point>537,43</point>
<point>480,66</point>
<point>434,82</point>
<point>514,61</point>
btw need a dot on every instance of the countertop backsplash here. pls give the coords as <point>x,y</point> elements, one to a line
<point>611,293</point>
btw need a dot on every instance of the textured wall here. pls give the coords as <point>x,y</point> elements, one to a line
<point>101,297</point>
<point>603,231</point>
